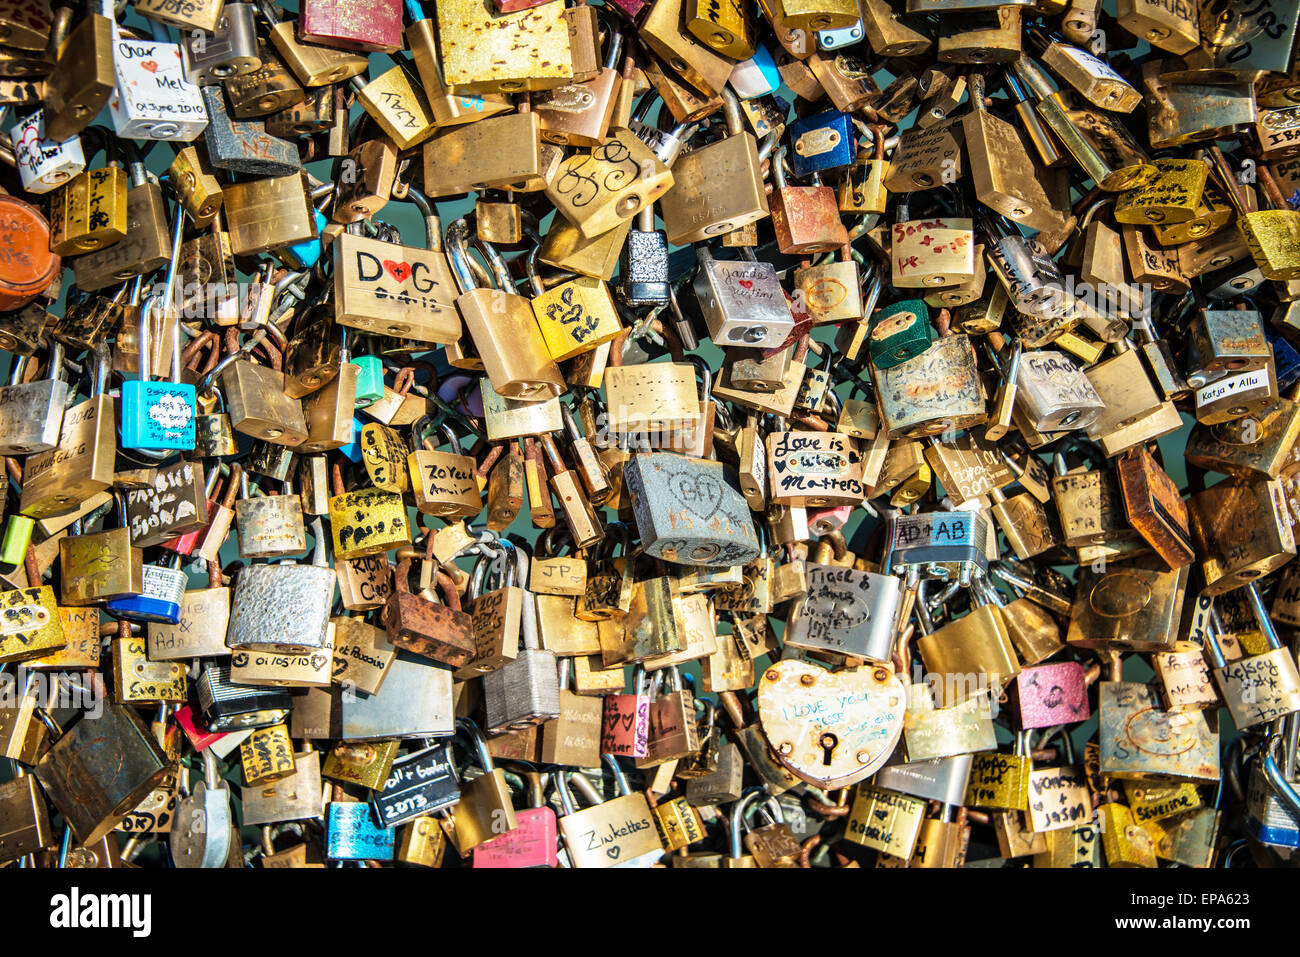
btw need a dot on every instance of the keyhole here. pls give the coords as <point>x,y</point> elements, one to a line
<point>829,743</point>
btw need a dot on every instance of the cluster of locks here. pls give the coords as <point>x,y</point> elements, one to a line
<point>699,496</point>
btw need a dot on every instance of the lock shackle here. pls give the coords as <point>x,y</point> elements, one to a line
<point>496,264</point>
<point>1029,77</point>
<point>468,729</point>
<point>1262,617</point>
<point>271,12</point>
<point>984,589</point>
<point>922,606</point>
<point>483,566</point>
<point>458,255</point>
<point>704,375</point>
<point>737,827</point>
<point>514,565</point>
<point>432,221</point>
<point>620,779</point>
<point>1093,208</point>
<point>1067,746</point>
<point>780,169</point>
<point>318,557</point>
<point>211,769</point>
<point>615,41</point>
<point>567,805</point>
<point>1276,779</point>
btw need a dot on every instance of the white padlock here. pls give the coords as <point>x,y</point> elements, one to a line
<point>42,163</point>
<point>153,100</point>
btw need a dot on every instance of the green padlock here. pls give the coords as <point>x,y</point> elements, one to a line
<point>18,535</point>
<point>899,332</point>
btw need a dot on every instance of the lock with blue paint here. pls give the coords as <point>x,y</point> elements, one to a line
<point>159,416</point>
<point>822,142</point>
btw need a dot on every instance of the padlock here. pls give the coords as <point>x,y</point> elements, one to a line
<point>501,322</point>
<point>616,833</point>
<point>100,566</point>
<point>524,691</point>
<point>1256,688</point>
<point>89,211</point>
<point>1241,532</point>
<point>352,835</point>
<point>230,50</point>
<point>742,302</point>
<point>668,493</point>
<point>31,414</point>
<point>575,316</point>
<point>82,79</point>
<point>441,632</point>
<point>1195,758</point>
<point>976,646</point>
<point>283,607</point>
<point>94,796</point>
<point>806,218</point>
<point>152,98</point>
<point>717,187</point>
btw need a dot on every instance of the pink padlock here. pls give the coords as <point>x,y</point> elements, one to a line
<point>531,844</point>
<point>823,521</point>
<point>626,728</point>
<point>1047,695</point>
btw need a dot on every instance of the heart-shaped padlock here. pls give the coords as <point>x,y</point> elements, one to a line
<point>831,728</point>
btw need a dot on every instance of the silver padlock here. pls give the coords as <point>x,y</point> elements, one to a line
<point>230,50</point>
<point>526,691</point>
<point>742,302</point>
<point>1053,392</point>
<point>31,413</point>
<point>285,607</point>
<point>846,611</point>
<point>200,835</point>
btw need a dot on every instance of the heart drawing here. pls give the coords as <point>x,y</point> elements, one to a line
<point>399,271</point>
<point>702,494</point>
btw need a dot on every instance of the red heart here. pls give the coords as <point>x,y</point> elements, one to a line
<point>399,271</point>
<point>746,283</point>
<point>150,65</point>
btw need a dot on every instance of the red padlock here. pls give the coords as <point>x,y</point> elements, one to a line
<point>626,729</point>
<point>370,25</point>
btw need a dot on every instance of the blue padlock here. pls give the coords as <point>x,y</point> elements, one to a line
<point>822,142</point>
<point>1286,360</point>
<point>351,834</point>
<point>303,255</point>
<point>162,588</point>
<point>158,416</point>
<point>353,449</point>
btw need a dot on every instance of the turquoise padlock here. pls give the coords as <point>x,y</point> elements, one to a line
<point>303,255</point>
<point>158,416</point>
<point>370,380</point>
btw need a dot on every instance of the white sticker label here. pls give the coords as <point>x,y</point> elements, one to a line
<point>1232,385</point>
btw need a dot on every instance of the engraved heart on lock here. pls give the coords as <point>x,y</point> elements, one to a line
<point>700,493</point>
<point>831,728</point>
